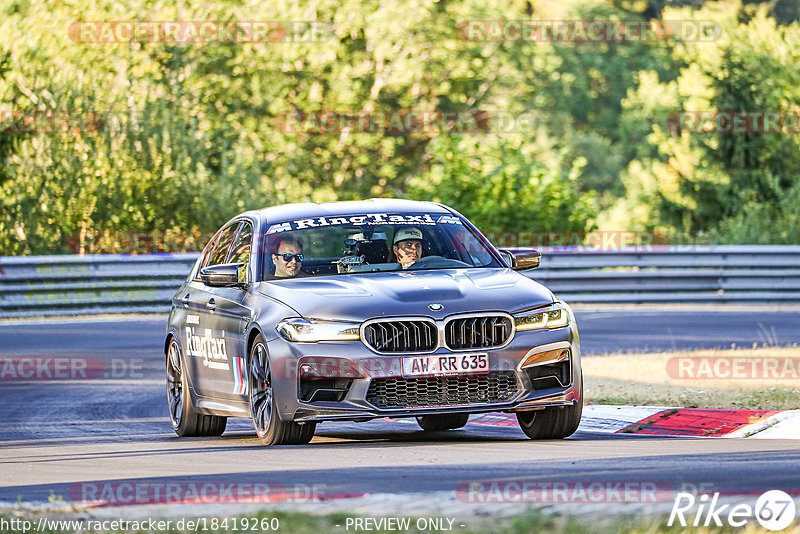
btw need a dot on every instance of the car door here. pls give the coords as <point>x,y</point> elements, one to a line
<point>232,317</point>
<point>191,300</point>
<point>205,344</point>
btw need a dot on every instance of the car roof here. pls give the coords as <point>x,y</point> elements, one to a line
<point>374,205</point>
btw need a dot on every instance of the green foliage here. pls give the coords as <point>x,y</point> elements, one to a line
<point>503,186</point>
<point>730,187</point>
<point>760,222</point>
<point>183,137</point>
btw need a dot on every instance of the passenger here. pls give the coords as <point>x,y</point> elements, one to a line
<point>407,246</point>
<point>287,255</point>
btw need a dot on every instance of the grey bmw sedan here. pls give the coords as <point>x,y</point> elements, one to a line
<point>347,311</point>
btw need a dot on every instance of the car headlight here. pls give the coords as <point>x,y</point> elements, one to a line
<point>554,316</point>
<point>313,330</point>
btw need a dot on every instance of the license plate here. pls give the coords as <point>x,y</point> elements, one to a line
<point>445,364</point>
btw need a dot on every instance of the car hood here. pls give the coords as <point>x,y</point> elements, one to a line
<point>367,295</point>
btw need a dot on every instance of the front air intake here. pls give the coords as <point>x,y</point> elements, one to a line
<point>496,387</point>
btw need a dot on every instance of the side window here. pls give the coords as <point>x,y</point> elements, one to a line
<point>241,249</point>
<point>224,242</point>
<point>206,255</point>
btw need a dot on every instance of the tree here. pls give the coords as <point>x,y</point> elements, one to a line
<point>502,186</point>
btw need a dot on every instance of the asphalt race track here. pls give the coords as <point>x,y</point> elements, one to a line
<point>602,332</point>
<point>60,435</point>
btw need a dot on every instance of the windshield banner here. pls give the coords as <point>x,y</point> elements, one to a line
<point>367,219</point>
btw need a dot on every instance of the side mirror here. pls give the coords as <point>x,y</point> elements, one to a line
<point>520,260</point>
<point>223,275</point>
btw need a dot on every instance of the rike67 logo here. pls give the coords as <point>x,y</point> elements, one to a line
<point>774,510</point>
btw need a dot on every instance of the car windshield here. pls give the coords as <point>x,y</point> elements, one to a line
<point>373,242</point>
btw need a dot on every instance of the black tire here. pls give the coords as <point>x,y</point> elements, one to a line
<point>450,421</point>
<point>555,422</point>
<point>185,421</point>
<point>267,421</point>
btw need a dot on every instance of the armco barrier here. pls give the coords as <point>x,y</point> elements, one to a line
<point>81,285</point>
<point>676,274</point>
<point>78,285</point>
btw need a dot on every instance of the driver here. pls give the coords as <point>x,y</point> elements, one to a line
<point>287,255</point>
<point>407,246</point>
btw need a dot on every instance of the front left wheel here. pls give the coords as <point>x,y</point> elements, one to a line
<point>554,422</point>
<point>185,421</point>
<point>268,424</point>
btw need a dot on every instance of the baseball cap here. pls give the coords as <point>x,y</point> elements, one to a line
<point>407,233</point>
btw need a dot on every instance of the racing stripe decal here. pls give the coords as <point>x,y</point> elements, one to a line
<point>239,387</point>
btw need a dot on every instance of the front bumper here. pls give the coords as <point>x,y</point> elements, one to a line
<point>345,372</point>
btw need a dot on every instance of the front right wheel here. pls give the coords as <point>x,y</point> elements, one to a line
<point>268,424</point>
<point>554,422</point>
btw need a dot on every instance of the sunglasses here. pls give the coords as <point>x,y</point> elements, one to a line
<point>288,257</point>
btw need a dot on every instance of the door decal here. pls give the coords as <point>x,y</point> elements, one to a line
<point>239,384</point>
<point>211,349</point>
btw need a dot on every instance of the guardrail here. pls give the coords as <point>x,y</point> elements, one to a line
<point>756,274</point>
<point>80,285</point>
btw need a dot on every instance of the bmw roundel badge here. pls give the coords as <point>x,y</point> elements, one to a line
<point>435,307</point>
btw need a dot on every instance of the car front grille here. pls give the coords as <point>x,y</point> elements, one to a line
<point>421,335</point>
<point>401,336</point>
<point>477,332</point>
<point>497,386</point>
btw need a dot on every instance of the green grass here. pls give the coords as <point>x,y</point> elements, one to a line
<point>643,380</point>
<point>722,398</point>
